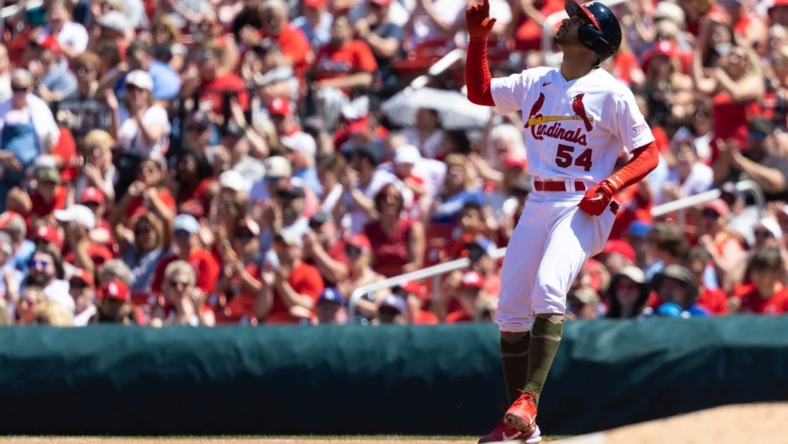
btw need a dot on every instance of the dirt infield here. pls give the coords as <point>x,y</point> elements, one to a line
<point>735,424</point>
<point>195,440</point>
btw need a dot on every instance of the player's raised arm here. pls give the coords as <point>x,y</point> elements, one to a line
<point>477,72</point>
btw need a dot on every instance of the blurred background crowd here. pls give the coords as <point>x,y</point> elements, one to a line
<point>208,162</point>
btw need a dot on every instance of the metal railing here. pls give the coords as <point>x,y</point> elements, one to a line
<point>436,271</point>
<point>680,205</point>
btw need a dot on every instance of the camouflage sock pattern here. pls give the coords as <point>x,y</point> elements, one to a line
<point>545,339</point>
<point>514,358</point>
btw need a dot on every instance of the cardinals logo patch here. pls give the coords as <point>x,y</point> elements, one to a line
<point>550,126</point>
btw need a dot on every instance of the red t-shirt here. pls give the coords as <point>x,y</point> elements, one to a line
<point>240,301</point>
<point>390,250</point>
<point>66,149</point>
<point>205,267</point>
<point>293,45</point>
<point>336,252</point>
<point>212,91</point>
<point>458,316</point>
<point>41,209</point>
<point>730,120</point>
<point>355,56</point>
<point>136,203</point>
<point>752,302</point>
<point>196,202</point>
<point>716,301</point>
<point>306,281</point>
<point>424,317</point>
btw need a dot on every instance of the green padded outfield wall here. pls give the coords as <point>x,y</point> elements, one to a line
<point>356,380</point>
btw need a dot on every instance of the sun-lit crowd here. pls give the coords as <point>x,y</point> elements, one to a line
<point>209,162</point>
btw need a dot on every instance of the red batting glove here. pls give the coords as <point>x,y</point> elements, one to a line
<point>598,198</point>
<point>478,21</point>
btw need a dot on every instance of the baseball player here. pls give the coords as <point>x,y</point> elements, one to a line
<point>577,119</point>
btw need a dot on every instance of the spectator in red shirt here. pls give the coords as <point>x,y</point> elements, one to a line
<point>216,84</point>
<point>345,63</point>
<point>194,181</point>
<point>186,243</point>
<point>240,281</point>
<point>712,299</point>
<point>324,249</point>
<point>115,305</point>
<point>77,221</point>
<point>397,242</point>
<point>415,295</point>
<point>276,27</point>
<point>101,233</point>
<point>468,296</point>
<point>290,289</point>
<point>766,295</point>
<point>185,300</point>
<point>359,252</point>
<point>47,196</point>
<point>147,191</point>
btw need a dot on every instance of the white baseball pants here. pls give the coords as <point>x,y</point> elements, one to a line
<point>548,248</point>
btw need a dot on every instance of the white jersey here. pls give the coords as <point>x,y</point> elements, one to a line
<point>573,129</point>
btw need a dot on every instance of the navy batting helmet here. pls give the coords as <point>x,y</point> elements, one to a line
<point>603,34</point>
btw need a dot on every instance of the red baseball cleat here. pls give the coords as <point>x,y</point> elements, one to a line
<point>503,433</point>
<point>522,414</point>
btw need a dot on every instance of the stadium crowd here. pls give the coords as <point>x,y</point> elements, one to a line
<point>208,162</point>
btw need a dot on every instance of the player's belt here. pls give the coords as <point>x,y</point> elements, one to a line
<point>556,186</point>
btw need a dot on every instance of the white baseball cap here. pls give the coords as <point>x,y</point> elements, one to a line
<point>140,79</point>
<point>407,154</point>
<point>233,180</point>
<point>278,166</point>
<point>79,214</point>
<point>114,20</point>
<point>301,142</point>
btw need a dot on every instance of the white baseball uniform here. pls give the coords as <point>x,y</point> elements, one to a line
<point>574,132</point>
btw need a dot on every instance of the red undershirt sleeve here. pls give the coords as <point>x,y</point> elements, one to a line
<point>644,160</point>
<point>477,73</point>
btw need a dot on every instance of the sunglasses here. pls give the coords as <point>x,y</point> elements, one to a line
<point>244,235</point>
<point>133,88</point>
<point>182,234</point>
<point>196,128</point>
<point>34,263</point>
<point>353,251</point>
<point>710,214</point>
<point>763,233</point>
<point>273,180</point>
<point>757,135</point>
<point>143,229</point>
<point>475,253</point>
<point>316,224</point>
<point>280,245</point>
<point>17,88</point>
<point>78,284</point>
<point>91,205</point>
<point>178,284</point>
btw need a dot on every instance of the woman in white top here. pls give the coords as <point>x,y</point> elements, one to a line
<point>139,127</point>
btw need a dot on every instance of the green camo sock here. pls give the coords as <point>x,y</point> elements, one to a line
<point>514,358</point>
<point>545,339</point>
